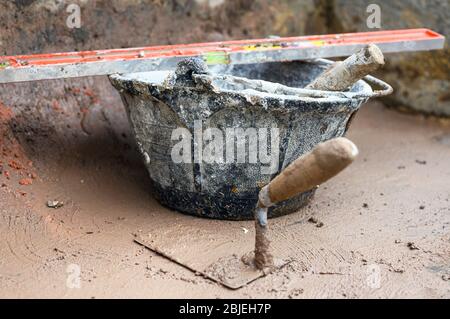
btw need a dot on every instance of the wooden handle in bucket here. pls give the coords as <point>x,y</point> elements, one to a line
<point>309,170</point>
<point>343,75</point>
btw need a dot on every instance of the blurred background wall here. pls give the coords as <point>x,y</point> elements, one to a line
<point>32,26</point>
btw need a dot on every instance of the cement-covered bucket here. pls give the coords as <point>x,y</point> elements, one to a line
<point>172,114</point>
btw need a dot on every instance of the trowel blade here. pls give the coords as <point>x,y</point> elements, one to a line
<point>230,271</point>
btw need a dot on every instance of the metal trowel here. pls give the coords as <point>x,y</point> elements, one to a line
<point>322,163</point>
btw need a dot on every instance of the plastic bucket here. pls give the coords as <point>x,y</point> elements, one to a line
<point>229,190</point>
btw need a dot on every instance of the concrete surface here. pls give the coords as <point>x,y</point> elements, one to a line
<point>385,219</point>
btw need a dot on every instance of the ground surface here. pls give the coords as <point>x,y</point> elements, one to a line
<point>385,219</point>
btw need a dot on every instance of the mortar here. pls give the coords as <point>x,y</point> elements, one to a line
<point>157,105</point>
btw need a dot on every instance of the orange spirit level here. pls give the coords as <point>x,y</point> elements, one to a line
<point>103,62</point>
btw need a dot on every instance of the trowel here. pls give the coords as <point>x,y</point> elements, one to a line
<point>326,160</point>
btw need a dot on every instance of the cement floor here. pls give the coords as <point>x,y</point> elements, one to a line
<point>385,234</point>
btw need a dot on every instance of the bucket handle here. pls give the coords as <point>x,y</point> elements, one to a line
<point>386,89</point>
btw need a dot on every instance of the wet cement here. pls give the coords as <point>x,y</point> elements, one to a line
<point>263,255</point>
<point>394,195</point>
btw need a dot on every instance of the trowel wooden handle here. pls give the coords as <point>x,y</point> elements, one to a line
<point>343,75</point>
<point>322,163</point>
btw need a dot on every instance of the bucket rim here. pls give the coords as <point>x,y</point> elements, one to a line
<point>141,80</point>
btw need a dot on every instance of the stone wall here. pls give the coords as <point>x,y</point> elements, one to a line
<point>421,80</point>
<point>32,26</point>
